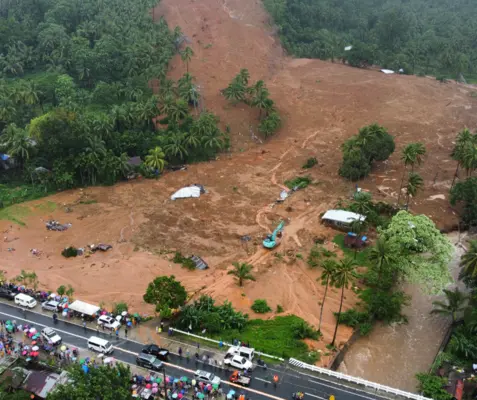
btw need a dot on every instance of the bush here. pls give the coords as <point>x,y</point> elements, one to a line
<point>466,193</point>
<point>355,165</point>
<point>270,124</point>
<point>353,318</point>
<point>69,252</point>
<point>384,305</point>
<point>432,386</point>
<point>311,162</point>
<point>61,290</point>
<point>300,182</point>
<point>303,330</point>
<point>365,328</point>
<point>261,306</point>
<point>119,308</point>
<point>279,309</point>
<point>186,262</point>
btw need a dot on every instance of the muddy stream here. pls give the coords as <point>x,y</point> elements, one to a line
<point>393,354</point>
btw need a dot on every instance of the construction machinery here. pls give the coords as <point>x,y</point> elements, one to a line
<point>273,240</point>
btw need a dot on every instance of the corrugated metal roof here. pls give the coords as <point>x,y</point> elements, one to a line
<point>342,216</point>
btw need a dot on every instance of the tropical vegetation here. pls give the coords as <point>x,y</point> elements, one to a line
<point>166,294</point>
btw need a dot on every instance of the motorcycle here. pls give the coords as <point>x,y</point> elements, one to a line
<point>298,396</point>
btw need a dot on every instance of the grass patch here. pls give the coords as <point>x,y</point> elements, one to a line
<point>361,256</point>
<point>15,214</point>
<point>92,201</point>
<point>47,206</point>
<point>311,162</point>
<point>14,194</point>
<point>300,182</point>
<point>277,336</point>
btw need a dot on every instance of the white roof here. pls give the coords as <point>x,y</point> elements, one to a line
<point>83,308</point>
<point>342,216</point>
<point>186,192</point>
<point>387,71</point>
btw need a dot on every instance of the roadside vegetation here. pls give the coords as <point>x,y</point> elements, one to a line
<point>419,37</point>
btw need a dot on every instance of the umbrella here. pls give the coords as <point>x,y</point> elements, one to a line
<point>194,382</point>
<point>155,390</point>
<point>9,322</point>
<point>9,328</point>
<point>232,392</point>
<point>32,330</point>
<point>154,384</point>
<point>148,386</point>
<point>136,315</point>
<point>158,380</point>
<point>215,386</point>
<point>134,386</point>
<point>124,313</point>
<point>63,348</point>
<point>180,395</point>
<point>184,379</point>
<point>85,368</point>
<point>148,377</point>
<point>174,396</point>
<point>35,348</point>
<point>35,354</point>
<point>33,343</point>
<point>24,353</point>
<point>28,359</point>
<point>1,345</point>
<point>200,395</point>
<point>176,380</point>
<point>82,361</point>
<point>129,323</point>
<point>108,360</point>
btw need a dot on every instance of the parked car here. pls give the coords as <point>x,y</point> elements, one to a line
<point>50,305</point>
<point>159,352</point>
<point>206,377</point>
<point>148,361</point>
<point>50,336</point>
<point>239,362</point>
<point>108,322</point>
<point>6,294</point>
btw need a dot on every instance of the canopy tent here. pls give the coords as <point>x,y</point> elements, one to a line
<point>84,308</point>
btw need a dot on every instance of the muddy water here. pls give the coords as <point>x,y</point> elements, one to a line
<point>392,355</point>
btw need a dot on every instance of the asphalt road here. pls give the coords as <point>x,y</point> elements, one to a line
<point>261,387</point>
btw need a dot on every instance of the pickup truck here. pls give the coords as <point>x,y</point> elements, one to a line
<point>240,379</point>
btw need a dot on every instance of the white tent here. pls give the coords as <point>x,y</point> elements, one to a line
<point>186,192</point>
<point>387,71</point>
<point>83,308</point>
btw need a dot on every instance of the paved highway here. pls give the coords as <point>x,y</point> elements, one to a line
<point>261,387</point>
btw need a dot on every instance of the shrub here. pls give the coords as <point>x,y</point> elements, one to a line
<point>119,308</point>
<point>69,252</point>
<point>61,290</point>
<point>261,306</point>
<point>311,162</point>
<point>300,182</point>
<point>365,328</point>
<point>279,309</point>
<point>270,124</point>
<point>186,262</point>
<point>432,386</point>
<point>355,165</point>
<point>353,318</point>
<point>303,330</point>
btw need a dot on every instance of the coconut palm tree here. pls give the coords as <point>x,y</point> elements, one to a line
<point>178,110</point>
<point>468,261</point>
<point>453,305</point>
<point>357,226</point>
<point>329,269</point>
<point>469,157</point>
<point>245,76</point>
<point>262,101</point>
<point>382,255</point>
<point>17,143</point>
<point>174,147</point>
<point>344,275</point>
<point>463,137</point>
<point>241,271</point>
<point>156,159</point>
<point>235,91</point>
<point>186,56</point>
<point>414,183</point>
<point>412,155</point>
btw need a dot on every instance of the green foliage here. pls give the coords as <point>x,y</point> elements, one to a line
<point>205,314</point>
<point>465,193</point>
<point>418,36</point>
<point>353,318</point>
<point>361,257</point>
<point>69,252</point>
<point>165,293</point>
<point>119,308</point>
<point>279,309</point>
<point>186,262</point>
<point>424,252</point>
<point>432,386</point>
<point>384,305</point>
<point>103,382</point>
<point>61,290</point>
<point>241,271</point>
<point>310,163</point>
<point>261,306</point>
<point>270,124</point>
<point>13,194</point>
<point>453,306</point>
<point>300,182</point>
<point>373,143</point>
<point>468,263</point>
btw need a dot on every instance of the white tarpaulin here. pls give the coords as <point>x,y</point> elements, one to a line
<point>387,71</point>
<point>84,308</point>
<point>186,192</point>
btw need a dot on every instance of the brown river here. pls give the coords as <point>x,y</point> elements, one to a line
<point>393,354</point>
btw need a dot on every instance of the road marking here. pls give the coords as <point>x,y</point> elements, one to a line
<point>346,391</point>
<point>314,395</point>
<point>263,380</point>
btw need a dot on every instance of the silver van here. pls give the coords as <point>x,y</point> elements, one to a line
<point>100,345</point>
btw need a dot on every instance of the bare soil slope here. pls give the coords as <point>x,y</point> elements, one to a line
<point>322,104</point>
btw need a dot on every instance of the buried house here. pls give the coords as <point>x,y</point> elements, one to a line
<point>341,219</point>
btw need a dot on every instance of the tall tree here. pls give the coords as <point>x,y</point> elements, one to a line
<point>156,159</point>
<point>453,305</point>
<point>464,137</point>
<point>412,155</point>
<point>414,183</point>
<point>343,277</point>
<point>329,270</point>
<point>241,271</point>
<point>186,56</point>
<point>468,261</point>
<point>165,293</point>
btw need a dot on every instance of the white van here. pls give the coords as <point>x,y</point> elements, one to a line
<point>25,300</point>
<point>246,352</point>
<point>100,345</point>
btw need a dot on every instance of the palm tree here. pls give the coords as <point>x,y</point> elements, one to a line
<point>235,91</point>
<point>357,226</point>
<point>242,272</point>
<point>382,255</point>
<point>414,183</point>
<point>453,305</point>
<point>244,76</point>
<point>468,262</point>
<point>17,143</point>
<point>156,159</point>
<point>412,154</point>
<point>463,137</point>
<point>178,110</point>
<point>262,101</point>
<point>186,56</point>
<point>344,275</point>
<point>174,147</point>
<point>469,157</point>
<point>329,269</point>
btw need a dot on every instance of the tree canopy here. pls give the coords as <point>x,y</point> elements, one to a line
<point>103,382</point>
<point>423,252</point>
<point>419,36</point>
<point>165,293</point>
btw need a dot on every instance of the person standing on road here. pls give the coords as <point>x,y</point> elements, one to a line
<point>126,332</point>
<point>187,354</point>
<point>180,352</point>
<point>84,325</point>
<point>117,334</point>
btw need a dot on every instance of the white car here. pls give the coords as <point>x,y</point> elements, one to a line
<point>206,377</point>
<point>239,362</point>
<point>108,322</point>
<point>50,305</point>
<point>50,336</point>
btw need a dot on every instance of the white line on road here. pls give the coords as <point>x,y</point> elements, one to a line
<point>342,390</point>
<point>314,395</point>
<point>263,380</point>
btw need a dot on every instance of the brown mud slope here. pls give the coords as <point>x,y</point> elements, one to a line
<point>322,104</point>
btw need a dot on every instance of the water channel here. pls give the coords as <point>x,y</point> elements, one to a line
<point>393,354</point>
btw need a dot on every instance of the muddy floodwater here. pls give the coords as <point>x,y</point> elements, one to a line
<point>393,354</point>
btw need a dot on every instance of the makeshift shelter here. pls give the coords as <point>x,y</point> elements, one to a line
<point>387,71</point>
<point>199,262</point>
<point>135,161</point>
<point>187,192</point>
<point>84,308</point>
<point>341,218</point>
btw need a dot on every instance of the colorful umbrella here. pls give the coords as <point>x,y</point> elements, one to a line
<point>155,390</point>
<point>63,348</point>
<point>33,343</point>
<point>35,348</point>
<point>215,386</point>
<point>174,396</point>
<point>200,395</point>
<point>32,330</point>
<point>194,382</point>
<point>148,386</point>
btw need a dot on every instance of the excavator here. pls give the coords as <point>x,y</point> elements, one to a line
<point>273,240</point>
